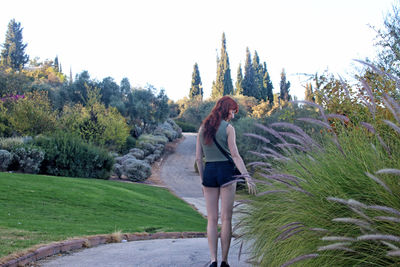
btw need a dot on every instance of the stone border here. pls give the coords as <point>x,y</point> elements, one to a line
<point>88,242</point>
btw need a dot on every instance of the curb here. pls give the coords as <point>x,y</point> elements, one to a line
<point>88,242</point>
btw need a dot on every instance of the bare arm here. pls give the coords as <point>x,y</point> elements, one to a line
<point>237,159</point>
<point>199,156</point>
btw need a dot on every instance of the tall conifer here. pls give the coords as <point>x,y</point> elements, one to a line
<point>223,84</point>
<point>309,94</point>
<point>284,87</point>
<point>196,88</point>
<point>248,80</point>
<point>13,53</point>
<point>239,81</point>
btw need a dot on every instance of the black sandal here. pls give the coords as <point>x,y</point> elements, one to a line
<point>224,264</point>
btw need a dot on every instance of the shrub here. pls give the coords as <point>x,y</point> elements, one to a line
<point>68,155</point>
<point>5,159</point>
<point>152,139</point>
<point>32,114</point>
<point>11,143</point>
<point>332,203</point>
<point>186,126</point>
<point>28,159</point>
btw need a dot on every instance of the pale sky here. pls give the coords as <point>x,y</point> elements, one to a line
<point>159,41</point>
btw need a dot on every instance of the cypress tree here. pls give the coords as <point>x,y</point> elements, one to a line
<point>56,65</point>
<point>223,84</point>
<point>284,87</point>
<point>196,87</point>
<point>248,80</point>
<point>239,81</point>
<point>267,86</point>
<point>309,94</point>
<point>258,77</point>
<point>13,53</point>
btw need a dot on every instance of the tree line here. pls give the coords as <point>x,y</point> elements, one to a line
<point>255,82</point>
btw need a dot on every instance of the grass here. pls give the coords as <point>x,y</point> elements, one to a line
<point>41,209</point>
<point>327,174</point>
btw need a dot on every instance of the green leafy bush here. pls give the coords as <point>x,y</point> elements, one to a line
<point>27,159</point>
<point>186,126</point>
<point>68,155</point>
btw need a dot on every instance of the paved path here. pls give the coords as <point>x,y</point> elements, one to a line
<point>178,175</point>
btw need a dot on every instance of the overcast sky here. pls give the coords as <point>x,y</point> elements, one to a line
<point>159,41</point>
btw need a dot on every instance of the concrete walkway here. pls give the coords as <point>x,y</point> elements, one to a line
<point>178,175</point>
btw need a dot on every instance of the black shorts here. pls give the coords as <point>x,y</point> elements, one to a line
<point>218,173</point>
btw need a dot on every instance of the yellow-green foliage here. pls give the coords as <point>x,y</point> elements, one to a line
<point>97,124</point>
<point>32,114</point>
<point>153,139</point>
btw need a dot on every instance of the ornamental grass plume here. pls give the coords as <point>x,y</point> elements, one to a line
<point>335,199</point>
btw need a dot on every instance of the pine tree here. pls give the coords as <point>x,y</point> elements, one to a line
<point>239,81</point>
<point>284,86</point>
<point>196,88</point>
<point>13,53</point>
<point>258,77</point>
<point>71,79</point>
<point>223,84</point>
<point>248,80</point>
<point>267,86</point>
<point>56,65</point>
<point>309,94</point>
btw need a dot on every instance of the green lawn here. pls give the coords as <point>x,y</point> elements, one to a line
<point>40,209</point>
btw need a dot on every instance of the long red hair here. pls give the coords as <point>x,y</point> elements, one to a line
<point>218,113</point>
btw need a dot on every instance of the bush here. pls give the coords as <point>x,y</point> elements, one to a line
<point>152,139</point>
<point>186,126</point>
<point>334,202</point>
<point>68,155</point>
<point>11,143</point>
<point>5,159</point>
<point>28,159</point>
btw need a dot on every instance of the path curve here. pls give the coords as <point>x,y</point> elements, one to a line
<point>177,173</point>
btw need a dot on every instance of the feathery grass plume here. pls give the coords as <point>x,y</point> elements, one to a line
<point>258,154</point>
<point>295,146</point>
<point>384,208</point>
<point>379,237</point>
<point>271,131</point>
<point>380,72</point>
<point>320,108</point>
<point>358,222</point>
<point>355,203</point>
<point>395,253</point>
<point>342,118</point>
<point>259,137</point>
<point>390,245</point>
<point>271,192</point>
<point>259,163</point>
<point>289,235</point>
<point>371,128</point>
<point>296,129</point>
<point>338,238</point>
<point>393,126</point>
<point>317,122</point>
<point>389,102</point>
<point>233,181</point>
<point>289,224</point>
<point>362,214</point>
<point>273,152</point>
<point>376,179</point>
<point>388,171</point>
<point>344,85</point>
<point>372,106</point>
<point>387,219</point>
<point>293,136</point>
<point>338,200</point>
<point>300,258</point>
<point>337,246</point>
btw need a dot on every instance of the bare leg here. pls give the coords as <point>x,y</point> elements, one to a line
<point>227,199</point>
<point>211,194</point>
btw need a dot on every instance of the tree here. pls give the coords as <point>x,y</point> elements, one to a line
<point>258,77</point>
<point>125,87</point>
<point>249,79</point>
<point>267,87</point>
<point>223,85</point>
<point>239,81</point>
<point>56,64</point>
<point>196,88</point>
<point>13,53</point>
<point>284,86</point>
<point>309,94</point>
